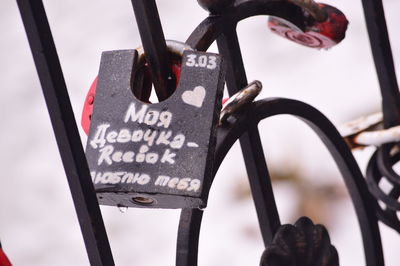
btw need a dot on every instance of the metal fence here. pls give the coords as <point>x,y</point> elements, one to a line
<point>220,26</point>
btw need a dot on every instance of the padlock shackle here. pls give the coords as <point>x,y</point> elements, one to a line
<point>174,49</point>
<point>141,76</point>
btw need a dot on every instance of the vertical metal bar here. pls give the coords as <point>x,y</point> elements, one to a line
<point>188,237</point>
<point>381,50</point>
<point>153,41</point>
<point>66,132</point>
<point>250,142</point>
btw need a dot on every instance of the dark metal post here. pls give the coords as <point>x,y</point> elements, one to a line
<point>381,50</point>
<point>250,141</point>
<point>66,132</point>
<point>188,237</point>
<point>153,41</point>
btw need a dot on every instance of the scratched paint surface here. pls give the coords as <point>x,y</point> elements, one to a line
<point>160,148</point>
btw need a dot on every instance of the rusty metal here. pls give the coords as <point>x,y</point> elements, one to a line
<point>368,131</point>
<point>360,124</point>
<point>173,48</point>
<point>240,100</point>
<point>352,129</point>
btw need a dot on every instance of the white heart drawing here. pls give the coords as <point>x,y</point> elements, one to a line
<point>195,97</point>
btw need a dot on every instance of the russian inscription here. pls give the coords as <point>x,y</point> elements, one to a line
<point>163,150</point>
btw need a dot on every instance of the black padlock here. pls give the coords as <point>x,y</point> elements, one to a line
<point>155,155</point>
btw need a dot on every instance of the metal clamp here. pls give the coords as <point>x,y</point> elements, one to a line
<point>239,100</point>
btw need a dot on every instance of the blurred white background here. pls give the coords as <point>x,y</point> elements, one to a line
<point>38,224</point>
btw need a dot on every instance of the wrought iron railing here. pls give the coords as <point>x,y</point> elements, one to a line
<point>301,244</point>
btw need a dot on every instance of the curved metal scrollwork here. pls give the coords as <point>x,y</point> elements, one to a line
<point>222,28</point>
<point>381,164</point>
<point>380,167</point>
<point>363,202</point>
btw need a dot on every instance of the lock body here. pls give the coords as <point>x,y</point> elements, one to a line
<point>155,155</point>
<point>315,34</point>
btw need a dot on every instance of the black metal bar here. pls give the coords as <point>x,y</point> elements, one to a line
<point>188,237</point>
<point>153,41</point>
<point>381,50</point>
<point>66,132</point>
<point>250,142</point>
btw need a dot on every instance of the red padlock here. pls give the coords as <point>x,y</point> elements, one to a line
<point>88,107</point>
<point>4,261</point>
<point>324,34</point>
